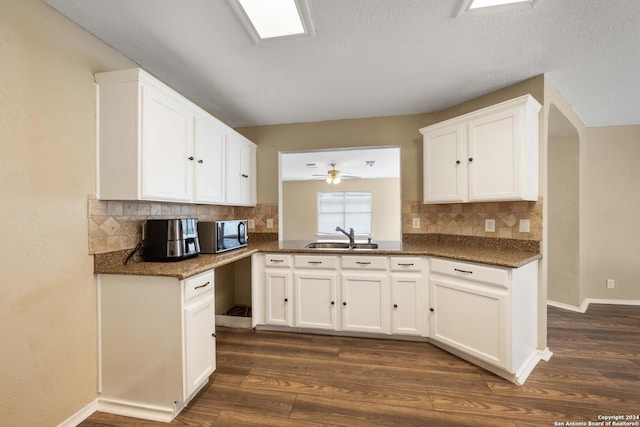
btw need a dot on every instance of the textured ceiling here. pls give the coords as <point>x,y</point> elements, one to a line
<point>377,57</point>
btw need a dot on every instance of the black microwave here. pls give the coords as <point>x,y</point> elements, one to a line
<point>221,236</point>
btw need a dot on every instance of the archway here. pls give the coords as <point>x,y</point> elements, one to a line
<point>563,198</point>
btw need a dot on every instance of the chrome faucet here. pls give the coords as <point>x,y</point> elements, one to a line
<point>351,234</point>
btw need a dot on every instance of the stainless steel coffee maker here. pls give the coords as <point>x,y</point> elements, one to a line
<point>170,239</point>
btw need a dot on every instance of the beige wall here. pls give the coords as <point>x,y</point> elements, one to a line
<point>47,168</point>
<point>300,207</point>
<point>394,130</point>
<point>610,212</point>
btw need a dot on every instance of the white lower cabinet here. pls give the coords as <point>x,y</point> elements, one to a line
<point>365,293</point>
<point>157,343</point>
<point>315,299</point>
<point>344,293</point>
<point>199,328</point>
<point>470,317</point>
<point>365,302</point>
<point>278,292</point>
<point>409,296</point>
<point>316,281</point>
<point>486,314</point>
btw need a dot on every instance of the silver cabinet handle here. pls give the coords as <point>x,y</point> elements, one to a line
<point>314,262</point>
<point>363,263</point>
<point>276,260</point>
<point>406,265</point>
<point>463,271</point>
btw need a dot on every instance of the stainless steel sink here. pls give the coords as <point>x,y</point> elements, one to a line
<point>328,245</point>
<point>365,246</point>
<point>341,245</point>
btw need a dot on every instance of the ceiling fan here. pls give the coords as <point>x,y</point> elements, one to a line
<point>334,176</point>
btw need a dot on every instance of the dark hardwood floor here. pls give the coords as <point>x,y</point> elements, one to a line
<point>282,379</point>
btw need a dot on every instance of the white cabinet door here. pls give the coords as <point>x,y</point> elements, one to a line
<point>278,297</point>
<point>445,170</point>
<point>407,303</point>
<point>495,155</point>
<point>315,299</point>
<point>167,143</point>
<point>249,168</point>
<point>241,167</point>
<point>199,331</point>
<point>472,318</point>
<point>209,160</point>
<point>365,302</point>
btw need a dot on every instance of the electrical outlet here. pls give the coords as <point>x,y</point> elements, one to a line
<point>269,222</point>
<point>611,284</point>
<point>490,225</point>
<point>415,223</point>
<point>525,226</point>
<point>252,224</point>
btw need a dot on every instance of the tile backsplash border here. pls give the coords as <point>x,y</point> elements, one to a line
<point>117,225</point>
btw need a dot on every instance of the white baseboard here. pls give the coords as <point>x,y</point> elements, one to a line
<point>545,354</point>
<point>233,321</point>
<point>136,410</point>
<point>81,415</point>
<point>586,302</point>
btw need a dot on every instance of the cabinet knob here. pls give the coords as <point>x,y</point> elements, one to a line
<point>191,158</point>
<point>201,161</point>
<point>457,162</point>
<point>214,335</point>
<point>431,309</point>
<point>333,303</point>
<point>244,175</point>
<point>395,305</point>
<point>471,159</point>
<point>286,300</point>
<point>344,303</point>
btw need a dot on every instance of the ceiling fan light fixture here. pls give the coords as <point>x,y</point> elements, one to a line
<point>333,175</point>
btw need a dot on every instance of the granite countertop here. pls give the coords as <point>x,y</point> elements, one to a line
<point>511,253</point>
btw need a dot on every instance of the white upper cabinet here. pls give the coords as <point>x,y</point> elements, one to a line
<point>444,179</point>
<point>241,171</point>
<point>167,146</point>
<point>487,155</point>
<point>153,144</point>
<point>209,155</point>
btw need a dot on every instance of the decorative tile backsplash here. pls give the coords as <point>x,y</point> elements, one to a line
<point>117,225</point>
<point>468,219</point>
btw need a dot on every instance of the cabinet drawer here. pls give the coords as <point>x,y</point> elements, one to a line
<point>406,263</point>
<point>476,272</point>
<point>365,262</point>
<point>199,284</point>
<point>314,261</point>
<point>277,260</point>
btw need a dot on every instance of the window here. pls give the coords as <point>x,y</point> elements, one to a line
<point>273,19</point>
<point>345,209</point>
